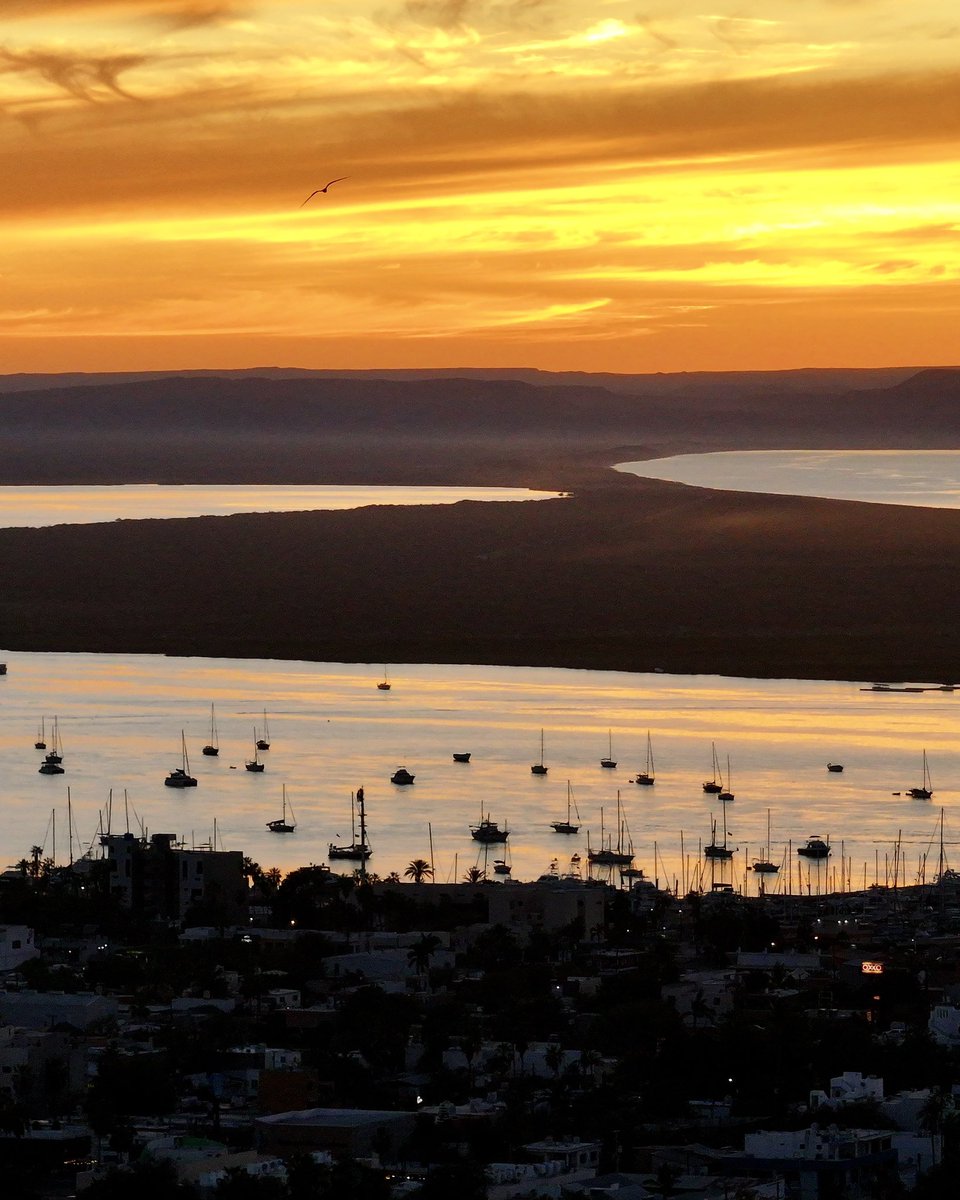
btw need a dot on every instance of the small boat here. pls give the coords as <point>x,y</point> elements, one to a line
<point>488,832</point>
<point>925,791</point>
<point>180,777</point>
<point>254,764</point>
<point>714,786</point>
<point>263,743</point>
<point>609,855</point>
<point>836,768</point>
<point>814,847</point>
<point>402,777</point>
<point>609,761</point>
<point>50,768</point>
<point>567,826</point>
<point>726,795</point>
<point>384,684</point>
<point>539,768</point>
<point>3,668</point>
<point>464,757</point>
<point>41,742</point>
<point>647,777</point>
<point>357,850</point>
<point>503,866</point>
<point>281,824</point>
<point>716,849</point>
<point>763,866</point>
<point>55,754</point>
<point>212,748</point>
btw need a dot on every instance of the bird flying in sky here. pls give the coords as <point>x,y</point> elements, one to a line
<point>318,191</point>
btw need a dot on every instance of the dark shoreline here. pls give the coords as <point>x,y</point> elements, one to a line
<point>624,574</point>
<point>632,576</point>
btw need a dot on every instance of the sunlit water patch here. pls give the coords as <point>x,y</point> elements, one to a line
<point>25,506</point>
<point>332,730</point>
<point>920,478</point>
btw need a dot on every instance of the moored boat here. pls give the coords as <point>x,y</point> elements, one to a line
<point>814,847</point>
<point>539,768</point>
<point>402,777</point>
<point>488,832</point>
<point>836,768</point>
<point>180,777</point>
<point>41,742</point>
<point>715,849</point>
<point>358,849</point>
<point>567,826</point>
<point>254,764</point>
<point>263,742</point>
<point>609,762</point>
<point>212,748</point>
<point>647,777</point>
<point>925,791</point>
<point>281,824</point>
<point>713,786</point>
<point>462,757</point>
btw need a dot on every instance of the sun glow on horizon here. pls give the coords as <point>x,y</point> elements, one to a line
<point>516,174</point>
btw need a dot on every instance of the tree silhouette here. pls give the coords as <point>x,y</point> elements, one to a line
<point>418,870</point>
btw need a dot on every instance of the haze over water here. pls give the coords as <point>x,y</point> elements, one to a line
<point>332,730</point>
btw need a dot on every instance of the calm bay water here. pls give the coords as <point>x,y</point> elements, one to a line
<point>39,506</point>
<point>332,730</point>
<point>920,478</point>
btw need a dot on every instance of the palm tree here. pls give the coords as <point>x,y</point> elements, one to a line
<point>419,870</point>
<point>419,954</point>
<point>36,854</point>
<point>475,875</point>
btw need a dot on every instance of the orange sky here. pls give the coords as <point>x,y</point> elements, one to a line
<point>659,185</point>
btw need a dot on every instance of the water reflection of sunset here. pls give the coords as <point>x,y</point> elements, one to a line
<point>332,730</point>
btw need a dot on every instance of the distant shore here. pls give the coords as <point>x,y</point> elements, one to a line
<point>624,574</point>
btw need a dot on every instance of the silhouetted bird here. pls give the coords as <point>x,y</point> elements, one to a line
<point>318,191</point>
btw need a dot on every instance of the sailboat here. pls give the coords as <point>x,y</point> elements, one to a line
<point>539,768</point>
<point>180,777</point>
<point>41,742</point>
<point>263,743</point>
<point>713,850</point>
<point>55,754</point>
<point>254,764</point>
<point>763,866</point>
<point>384,685</point>
<point>925,791</point>
<point>567,826</point>
<point>357,851</point>
<point>713,786</point>
<point>609,761</point>
<point>282,825</point>
<point>607,856</point>
<point>726,795</point>
<point>212,748</point>
<point>503,866</point>
<point>648,777</point>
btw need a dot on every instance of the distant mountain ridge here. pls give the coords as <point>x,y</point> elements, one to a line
<point>725,384</point>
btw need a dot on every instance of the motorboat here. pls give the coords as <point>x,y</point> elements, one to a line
<point>402,777</point>
<point>814,847</point>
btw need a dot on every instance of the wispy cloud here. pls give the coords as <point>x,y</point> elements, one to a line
<point>85,77</point>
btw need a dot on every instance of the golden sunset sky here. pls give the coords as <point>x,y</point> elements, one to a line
<point>567,184</point>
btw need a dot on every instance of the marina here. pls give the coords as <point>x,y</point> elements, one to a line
<point>121,715</point>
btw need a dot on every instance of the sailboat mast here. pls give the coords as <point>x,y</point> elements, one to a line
<point>363,834</point>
